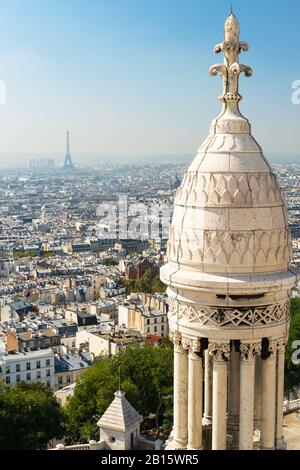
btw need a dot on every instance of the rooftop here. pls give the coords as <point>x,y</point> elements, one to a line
<point>120,415</point>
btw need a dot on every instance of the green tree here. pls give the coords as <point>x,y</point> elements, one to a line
<point>149,283</point>
<point>147,379</point>
<point>110,262</point>
<point>29,417</point>
<point>25,254</point>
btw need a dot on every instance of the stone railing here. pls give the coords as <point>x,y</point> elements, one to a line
<point>92,445</point>
<point>291,406</point>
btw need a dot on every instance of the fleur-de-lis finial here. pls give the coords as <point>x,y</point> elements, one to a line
<point>231,69</point>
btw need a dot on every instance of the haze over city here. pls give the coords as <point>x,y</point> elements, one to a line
<point>129,78</point>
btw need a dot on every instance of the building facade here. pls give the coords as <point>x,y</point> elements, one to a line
<point>229,280</point>
<point>143,318</point>
<point>30,367</point>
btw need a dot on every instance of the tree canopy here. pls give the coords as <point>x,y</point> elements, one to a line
<point>29,417</point>
<point>149,283</point>
<point>110,262</point>
<point>146,374</point>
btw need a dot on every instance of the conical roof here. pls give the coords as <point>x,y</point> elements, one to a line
<point>120,415</point>
<point>229,216</point>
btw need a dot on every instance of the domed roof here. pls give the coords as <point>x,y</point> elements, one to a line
<point>230,215</point>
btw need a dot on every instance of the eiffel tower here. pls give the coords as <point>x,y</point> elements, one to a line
<point>68,165</point>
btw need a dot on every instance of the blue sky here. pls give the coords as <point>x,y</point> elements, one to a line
<point>130,77</point>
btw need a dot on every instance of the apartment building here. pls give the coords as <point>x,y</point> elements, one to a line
<point>31,367</point>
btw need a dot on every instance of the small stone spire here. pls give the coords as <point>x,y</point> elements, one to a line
<point>231,69</point>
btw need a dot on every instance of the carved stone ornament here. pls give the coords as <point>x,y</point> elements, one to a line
<point>281,343</point>
<point>231,69</point>
<point>230,316</point>
<point>191,344</point>
<point>273,345</point>
<point>185,342</point>
<point>195,345</point>
<point>219,351</point>
<point>249,351</point>
<point>175,337</point>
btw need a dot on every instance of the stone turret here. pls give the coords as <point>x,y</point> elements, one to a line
<point>120,424</point>
<point>229,281</point>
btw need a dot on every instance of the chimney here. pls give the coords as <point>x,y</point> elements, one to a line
<point>11,342</point>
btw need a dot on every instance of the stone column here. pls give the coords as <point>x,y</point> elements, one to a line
<point>234,397</point>
<point>180,433</point>
<point>195,405</point>
<point>280,445</point>
<point>268,398</point>
<point>208,376</point>
<point>248,353</point>
<point>257,393</point>
<point>220,353</point>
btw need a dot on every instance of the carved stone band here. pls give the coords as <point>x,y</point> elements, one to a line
<point>228,316</point>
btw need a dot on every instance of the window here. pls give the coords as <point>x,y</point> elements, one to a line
<point>38,364</point>
<point>18,378</point>
<point>68,378</point>
<point>148,329</point>
<point>18,368</point>
<point>48,383</point>
<point>8,369</point>
<point>28,376</point>
<point>60,380</point>
<point>155,320</point>
<point>148,321</point>
<point>48,373</point>
<point>28,366</point>
<point>162,327</point>
<point>155,329</point>
<point>38,374</point>
<point>8,379</point>
<point>47,362</point>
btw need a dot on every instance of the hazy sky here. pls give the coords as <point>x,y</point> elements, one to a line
<point>130,77</point>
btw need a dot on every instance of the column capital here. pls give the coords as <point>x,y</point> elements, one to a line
<point>249,350</point>
<point>192,344</point>
<point>272,347</point>
<point>281,343</point>
<point>219,351</point>
<point>175,337</point>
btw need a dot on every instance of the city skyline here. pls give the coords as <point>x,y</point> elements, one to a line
<point>126,78</point>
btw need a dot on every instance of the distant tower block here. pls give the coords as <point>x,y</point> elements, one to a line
<point>229,281</point>
<point>68,165</point>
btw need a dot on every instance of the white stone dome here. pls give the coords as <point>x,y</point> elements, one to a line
<point>229,216</point>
